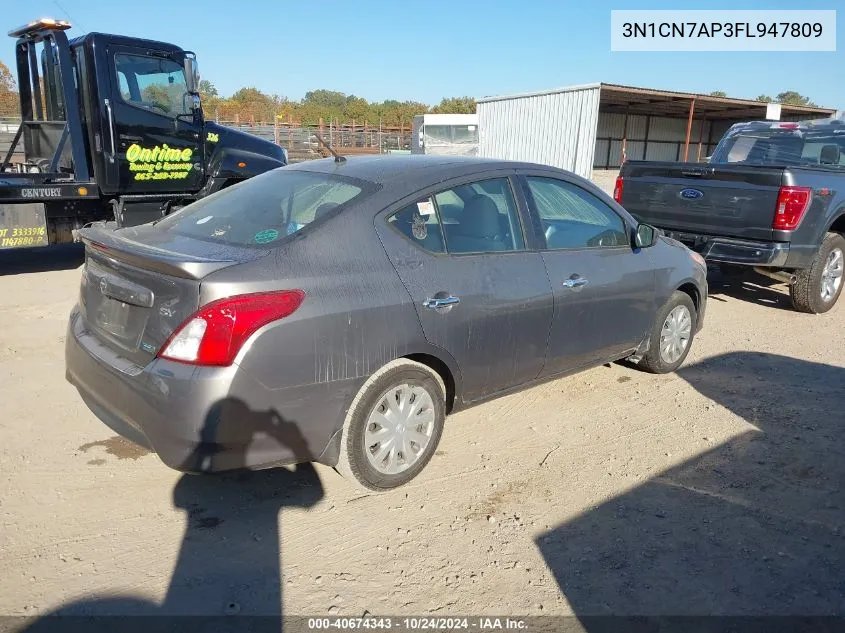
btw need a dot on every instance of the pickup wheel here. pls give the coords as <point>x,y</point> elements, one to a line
<point>818,287</point>
<point>671,335</point>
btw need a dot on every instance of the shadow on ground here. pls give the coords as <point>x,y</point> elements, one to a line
<point>750,287</point>
<point>228,565</point>
<point>18,261</point>
<point>751,527</point>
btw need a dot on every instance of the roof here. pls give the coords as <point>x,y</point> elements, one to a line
<point>632,100</point>
<point>615,98</point>
<point>418,170</point>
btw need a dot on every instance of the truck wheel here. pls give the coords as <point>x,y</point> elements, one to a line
<point>671,335</point>
<point>393,426</point>
<point>818,287</point>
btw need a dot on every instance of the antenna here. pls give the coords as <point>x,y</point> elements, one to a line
<point>337,157</point>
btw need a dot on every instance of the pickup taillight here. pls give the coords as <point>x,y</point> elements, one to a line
<point>792,204</point>
<point>617,190</point>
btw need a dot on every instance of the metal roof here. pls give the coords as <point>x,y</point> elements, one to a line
<point>621,99</point>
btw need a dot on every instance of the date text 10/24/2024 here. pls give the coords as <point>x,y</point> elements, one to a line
<point>418,624</point>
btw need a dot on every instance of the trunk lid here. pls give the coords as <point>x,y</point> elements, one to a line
<point>140,283</point>
<point>728,199</point>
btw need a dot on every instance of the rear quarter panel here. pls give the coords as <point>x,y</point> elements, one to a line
<point>356,317</point>
<point>828,205</point>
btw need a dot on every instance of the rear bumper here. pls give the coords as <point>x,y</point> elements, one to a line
<point>734,251</point>
<point>203,419</point>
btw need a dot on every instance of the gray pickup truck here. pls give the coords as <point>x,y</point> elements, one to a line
<point>771,197</point>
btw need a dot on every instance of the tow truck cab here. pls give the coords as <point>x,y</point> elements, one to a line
<point>112,130</point>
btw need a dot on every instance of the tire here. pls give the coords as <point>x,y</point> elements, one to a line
<point>654,361</point>
<point>806,292</point>
<point>354,463</point>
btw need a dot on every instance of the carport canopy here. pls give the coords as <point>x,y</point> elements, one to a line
<point>616,99</point>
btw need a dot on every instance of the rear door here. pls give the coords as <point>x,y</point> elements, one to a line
<point>479,294</point>
<point>156,143</point>
<point>603,289</point>
<point>727,200</point>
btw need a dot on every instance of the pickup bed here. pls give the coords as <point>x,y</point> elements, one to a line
<point>772,197</point>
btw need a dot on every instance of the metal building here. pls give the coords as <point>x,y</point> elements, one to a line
<point>597,126</point>
<point>450,134</point>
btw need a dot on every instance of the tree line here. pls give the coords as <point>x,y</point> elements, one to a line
<point>787,97</point>
<point>251,105</point>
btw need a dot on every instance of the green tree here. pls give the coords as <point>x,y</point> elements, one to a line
<point>207,89</point>
<point>9,104</point>
<point>325,98</point>
<point>790,97</point>
<point>455,105</point>
<point>719,93</point>
<point>765,99</point>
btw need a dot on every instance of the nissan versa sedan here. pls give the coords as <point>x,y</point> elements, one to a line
<point>338,310</point>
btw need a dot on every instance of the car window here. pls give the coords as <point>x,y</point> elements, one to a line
<point>152,83</point>
<point>480,217</point>
<point>420,223</point>
<point>573,217</point>
<point>265,208</point>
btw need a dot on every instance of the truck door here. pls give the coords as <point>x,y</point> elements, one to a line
<point>155,140</point>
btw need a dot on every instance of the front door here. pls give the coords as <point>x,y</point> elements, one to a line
<point>156,143</point>
<point>478,293</point>
<point>603,289</point>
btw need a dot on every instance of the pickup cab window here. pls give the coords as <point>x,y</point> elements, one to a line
<point>781,146</point>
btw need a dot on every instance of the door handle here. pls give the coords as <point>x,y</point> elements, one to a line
<point>575,283</point>
<point>111,129</point>
<point>443,302</point>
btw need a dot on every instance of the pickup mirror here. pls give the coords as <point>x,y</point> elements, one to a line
<point>645,236</point>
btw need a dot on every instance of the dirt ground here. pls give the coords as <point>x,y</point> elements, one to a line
<point>717,490</point>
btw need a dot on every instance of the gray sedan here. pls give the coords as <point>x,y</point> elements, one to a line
<point>338,311</point>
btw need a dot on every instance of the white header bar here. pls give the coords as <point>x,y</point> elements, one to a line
<point>678,31</point>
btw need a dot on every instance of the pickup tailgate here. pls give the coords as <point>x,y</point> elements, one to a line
<point>726,200</point>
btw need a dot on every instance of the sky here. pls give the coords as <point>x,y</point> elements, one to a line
<point>424,51</point>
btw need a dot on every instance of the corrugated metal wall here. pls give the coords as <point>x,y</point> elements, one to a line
<point>555,128</point>
<point>665,141</point>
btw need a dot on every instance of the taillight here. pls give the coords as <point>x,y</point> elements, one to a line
<point>215,333</point>
<point>792,204</point>
<point>617,190</point>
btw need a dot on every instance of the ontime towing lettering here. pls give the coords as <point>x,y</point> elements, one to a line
<point>159,162</point>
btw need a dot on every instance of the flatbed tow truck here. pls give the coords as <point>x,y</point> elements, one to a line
<point>113,134</point>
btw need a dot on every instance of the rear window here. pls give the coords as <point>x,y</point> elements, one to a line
<point>266,208</point>
<point>782,147</point>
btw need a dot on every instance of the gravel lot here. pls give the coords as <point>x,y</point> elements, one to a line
<point>718,490</point>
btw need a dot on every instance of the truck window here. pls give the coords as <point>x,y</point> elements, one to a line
<point>781,147</point>
<point>152,83</point>
<point>265,208</point>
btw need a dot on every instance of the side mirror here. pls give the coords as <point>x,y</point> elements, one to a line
<point>645,236</point>
<point>192,74</point>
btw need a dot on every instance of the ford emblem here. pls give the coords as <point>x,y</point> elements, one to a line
<point>691,194</point>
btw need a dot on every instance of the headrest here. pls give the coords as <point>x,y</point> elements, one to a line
<point>829,155</point>
<point>480,218</point>
<point>324,208</point>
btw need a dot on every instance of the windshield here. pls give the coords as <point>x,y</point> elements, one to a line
<point>264,209</point>
<point>782,147</point>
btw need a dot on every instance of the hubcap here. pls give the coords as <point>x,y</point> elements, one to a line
<point>832,275</point>
<point>675,334</point>
<point>399,428</point>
